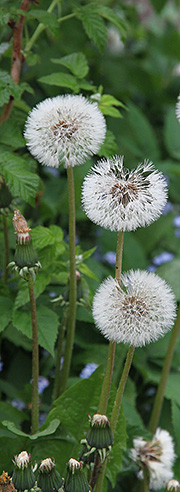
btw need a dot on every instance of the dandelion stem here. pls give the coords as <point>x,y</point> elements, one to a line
<point>72,281</point>
<point>146,480</point>
<point>103,401</point>
<point>6,248</point>
<point>120,390</point>
<point>35,359</point>
<point>156,412</point>
<point>57,382</point>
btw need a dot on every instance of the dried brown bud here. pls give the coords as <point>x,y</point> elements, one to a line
<point>19,222</point>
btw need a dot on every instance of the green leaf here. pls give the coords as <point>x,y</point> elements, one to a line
<point>108,100</point>
<point>86,271</point>
<point>4,16</point>
<point>7,411</point>
<point>76,62</point>
<point>49,19</point>
<point>115,462</point>
<point>175,408</point>
<point>109,147</point>
<point>8,87</point>
<point>44,236</point>
<point>61,80</point>
<point>11,127</point>
<point>42,280</point>
<point>112,17</point>
<point>47,321</point>
<point>168,272</point>
<point>6,306</point>
<point>54,424</point>
<point>20,180</point>
<point>172,134</point>
<point>110,111</point>
<point>93,24</point>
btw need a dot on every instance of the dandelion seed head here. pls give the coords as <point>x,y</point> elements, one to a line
<point>139,312</point>
<point>118,199</point>
<point>65,129</point>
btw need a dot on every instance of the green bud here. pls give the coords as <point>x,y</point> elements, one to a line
<point>23,476</point>
<point>75,480</point>
<point>99,435</point>
<point>48,479</point>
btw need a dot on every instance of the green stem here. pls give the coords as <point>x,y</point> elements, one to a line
<point>72,281</point>
<point>164,376</point>
<point>146,480</point>
<point>35,359</point>
<point>57,382</point>
<point>120,390</point>
<point>104,396</point>
<point>66,17</point>
<point>40,28</point>
<point>6,248</point>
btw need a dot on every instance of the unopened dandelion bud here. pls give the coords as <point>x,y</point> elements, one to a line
<point>173,486</point>
<point>6,483</point>
<point>75,480</point>
<point>23,476</point>
<point>26,259</point>
<point>99,435</point>
<point>48,478</point>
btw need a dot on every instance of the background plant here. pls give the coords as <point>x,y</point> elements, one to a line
<point>70,50</point>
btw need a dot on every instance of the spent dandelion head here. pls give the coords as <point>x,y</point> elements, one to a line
<point>65,129</point>
<point>139,312</point>
<point>157,456</point>
<point>120,199</point>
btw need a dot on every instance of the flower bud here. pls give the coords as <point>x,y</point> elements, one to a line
<point>6,484</point>
<point>25,260</point>
<point>23,476</point>
<point>48,479</point>
<point>99,435</point>
<point>75,480</point>
<point>173,485</point>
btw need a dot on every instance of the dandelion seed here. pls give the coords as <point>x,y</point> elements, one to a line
<point>139,312</point>
<point>122,200</point>
<point>65,129</point>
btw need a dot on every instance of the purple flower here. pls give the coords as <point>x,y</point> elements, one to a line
<point>88,370</point>
<point>168,208</point>
<point>163,258</point>
<point>176,221</point>
<point>110,257</point>
<point>42,384</point>
<point>151,268</point>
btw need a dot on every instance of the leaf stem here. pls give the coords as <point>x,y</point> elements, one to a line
<point>35,359</point>
<point>72,281</point>
<point>156,412</point>
<point>40,28</point>
<point>6,248</point>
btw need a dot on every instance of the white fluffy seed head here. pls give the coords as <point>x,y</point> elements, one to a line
<point>157,456</point>
<point>122,200</point>
<point>65,129</point>
<point>139,312</point>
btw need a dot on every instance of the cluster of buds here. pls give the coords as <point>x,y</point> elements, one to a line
<point>26,260</point>
<point>48,478</point>
<point>6,198</point>
<point>23,476</point>
<point>6,484</point>
<point>99,438</point>
<point>75,480</point>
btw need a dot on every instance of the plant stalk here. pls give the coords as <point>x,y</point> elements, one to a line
<point>57,382</point>
<point>35,359</point>
<point>40,28</point>
<point>156,412</point>
<point>146,480</point>
<point>72,281</point>
<point>6,249</point>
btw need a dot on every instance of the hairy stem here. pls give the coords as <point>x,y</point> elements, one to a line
<point>6,248</point>
<point>72,281</point>
<point>120,390</point>
<point>57,382</point>
<point>35,359</point>
<point>145,480</point>
<point>156,412</point>
<point>17,57</point>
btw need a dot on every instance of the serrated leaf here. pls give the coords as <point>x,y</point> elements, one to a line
<point>109,147</point>
<point>47,321</point>
<point>11,127</point>
<point>20,180</point>
<point>61,80</point>
<point>42,280</point>
<point>54,424</point>
<point>49,19</point>
<point>4,16</point>
<point>110,111</point>
<point>44,236</point>
<point>112,17</point>
<point>6,306</point>
<point>76,62</point>
<point>93,24</point>
<point>8,85</point>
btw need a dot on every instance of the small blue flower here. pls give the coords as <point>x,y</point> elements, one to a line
<point>19,404</point>
<point>176,221</point>
<point>163,258</point>
<point>151,268</point>
<point>110,257</point>
<point>88,370</point>
<point>168,208</point>
<point>177,232</point>
<point>42,384</point>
